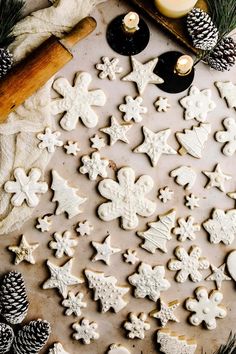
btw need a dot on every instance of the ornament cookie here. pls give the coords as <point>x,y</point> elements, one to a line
<point>106,290</point>
<point>49,140</point>
<point>197,104</point>
<point>26,187</point>
<point>44,224</point>
<point>218,275</point>
<point>165,194</point>
<point>217,178</point>
<point>192,201</point>
<point>24,252</point>
<point>143,74</point>
<point>159,233</point>
<point>172,343</point>
<point>222,226</point>
<point>57,349</point>
<point>206,307</point>
<point>97,142</point>
<point>127,198</point>
<point>155,144</point>
<point>228,136</point>
<point>63,244</point>
<point>74,303</point>
<point>228,91</point>
<point>77,101</point>
<point>117,131</point>
<point>149,281</point>
<point>84,228</point>
<point>72,148</point>
<point>85,331</point>
<point>118,349</point>
<point>104,250</point>
<point>188,264</point>
<point>94,166</point>
<point>137,325</point>
<point>109,68</point>
<point>131,256</point>
<point>166,312</point>
<point>184,176</point>
<point>231,264</point>
<point>133,109</point>
<point>162,104</point>
<point>186,229</point>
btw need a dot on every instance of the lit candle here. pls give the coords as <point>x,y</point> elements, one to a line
<point>184,65</point>
<point>131,21</point>
<point>175,8</point>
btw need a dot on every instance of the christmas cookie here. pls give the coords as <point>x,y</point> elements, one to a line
<point>94,166</point>
<point>118,349</point>
<point>74,303</point>
<point>186,229</point>
<point>104,250</point>
<point>72,148</point>
<point>192,201</point>
<point>85,331</point>
<point>49,140</point>
<point>217,178</point>
<point>172,343</point>
<point>184,176</point>
<point>165,194</point>
<point>63,244</point>
<point>162,104</point>
<point>44,224</point>
<point>228,91</point>
<point>137,325</point>
<point>117,131</point>
<point>24,252</point>
<point>133,109</point>
<point>218,275</point>
<point>231,264</point>
<point>228,136</point>
<point>97,142</point>
<point>166,312</point>
<point>109,68</point>
<point>57,349</point>
<point>131,256</point>
<point>84,228</point>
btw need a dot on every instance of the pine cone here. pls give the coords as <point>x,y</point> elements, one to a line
<point>202,30</point>
<point>13,298</point>
<point>6,61</point>
<point>31,338</point>
<point>6,338</point>
<point>224,55</point>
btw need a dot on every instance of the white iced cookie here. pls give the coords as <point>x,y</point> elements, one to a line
<point>104,250</point>
<point>49,140</point>
<point>77,101</point>
<point>184,176</point>
<point>162,104</point>
<point>228,91</point>
<point>94,166</point>
<point>197,104</point>
<point>228,136</point>
<point>221,226</point>
<point>143,74</point>
<point>85,331</point>
<point>172,343</point>
<point>74,303</point>
<point>192,201</point>
<point>133,109</point>
<point>218,275</point>
<point>127,198</point>
<point>206,307</point>
<point>72,148</point>
<point>118,349</point>
<point>231,264</point>
<point>26,187</point>
<point>186,229</point>
<point>217,178</point>
<point>24,252</point>
<point>67,197</point>
<point>117,131</point>
<point>44,224</point>
<point>155,144</point>
<point>109,68</point>
<point>84,228</point>
<point>166,312</point>
<point>63,244</point>
<point>165,194</point>
<point>149,281</point>
<point>158,233</point>
<point>97,142</point>
<point>188,264</point>
<point>106,290</point>
<point>130,256</point>
<point>137,325</point>
<point>57,349</point>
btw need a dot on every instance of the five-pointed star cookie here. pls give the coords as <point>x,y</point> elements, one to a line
<point>217,178</point>
<point>61,277</point>
<point>117,131</point>
<point>143,74</point>
<point>218,275</point>
<point>166,312</point>
<point>24,252</point>
<point>155,144</point>
<point>104,250</point>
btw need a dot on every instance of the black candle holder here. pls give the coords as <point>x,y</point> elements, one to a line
<point>165,68</point>
<point>124,42</point>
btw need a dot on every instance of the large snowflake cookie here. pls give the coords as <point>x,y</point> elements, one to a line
<point>159,233</point>
<point>26,187</point>
<point>24,252</point>
<point>227,91</point>
<point>184,176</point>
<point>149,281</point>
<point>206,307</point>
<point>217,178</point>
<point>63,244</point>
<point>77,101</point>
<point>137,325</point>
<point>49,140</point>
<point>188,264</point>
<point>143,74</point>
<point>166,312</point>
<point>117,131</point>
<point>118,349</point>
<point>104,250</point>
<point>155,144</point>
<point>106,290</point>
<point>133,109</point>
<point>172,343</point>
<point>228,136</point>
<point>222,226</point>
<point>109,68</point>
<point>74,303</point>
<point>57,349</point>
<point>94,166</point>
<point>186,229</point>
<point>198,104</point>
<point>127,198</point>
<point>85,331</point>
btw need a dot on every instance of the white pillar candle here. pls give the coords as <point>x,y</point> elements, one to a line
<point>175,8</point>
<point>184,65</point>
<point>131,21</point>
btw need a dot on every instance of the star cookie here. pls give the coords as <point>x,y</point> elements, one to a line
<point>218,275</point>
<point>104,250</point>
<point>117,131</point>
<point>166,312</point>
<point>24,252</point>
<point>217,178</point>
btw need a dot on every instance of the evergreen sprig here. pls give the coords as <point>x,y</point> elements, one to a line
<point>223,13</point>
<point>10,14</point>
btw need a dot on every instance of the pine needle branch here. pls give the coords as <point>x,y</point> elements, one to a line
<point>223,13</point>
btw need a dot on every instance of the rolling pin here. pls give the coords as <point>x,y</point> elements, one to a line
<point>44,62</point>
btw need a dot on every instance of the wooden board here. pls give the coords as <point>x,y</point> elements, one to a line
<point>176,27</point>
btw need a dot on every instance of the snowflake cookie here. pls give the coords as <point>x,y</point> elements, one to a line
<point>192,201</point>
<point>127,198</point>
<point>155,144</point>
<point>222,226</point>
<point>130,256</point>
<point>84,228</point>
<point>118,349</point>
<point>198,104</point>
<point>143,74</point>
<point>104,250</point>
<point>133,109</point>
<point>106,290</point>
<point>63,244</point>
<point>74,304</point>
<point>231,264</point>
<point>117,131</point>
<point>109,68</point>
<point>227,91</point>
<point>159,232</point>
<point>26,187</point>
<point>188,264</point>
<point>24,252</point>
<point>137,325</point>
<point>94,166</point>
<point>217,178</point>
<point>77,101</point>
<point>44,224</point>
<point>162,104</point>
<point>166,312</point>
<point>149,281</point>
<point>85,331</point>
<point>172,343</point>
<point>97,142</point>
<point>228,136</point>
<point>186,229</point>
<point>49,140</point>
<point>206,307</point>
<point>165,194</point>
<point>72,148</point>
<point>218,275</point>
<point>57,349</point>
<point>184,176</point>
